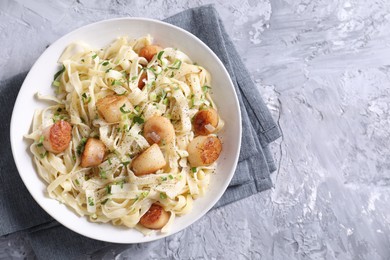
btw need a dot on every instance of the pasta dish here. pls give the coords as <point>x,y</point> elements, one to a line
<point>130,136</point>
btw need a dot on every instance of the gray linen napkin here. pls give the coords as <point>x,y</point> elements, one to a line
<point>51,240</point>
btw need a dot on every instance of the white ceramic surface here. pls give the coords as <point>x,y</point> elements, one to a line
<point>98,35</point>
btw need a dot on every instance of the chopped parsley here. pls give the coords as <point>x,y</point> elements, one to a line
<point>109,161</point>
<point>103,174</point>
<point>82,60</point>
<point>86,99</point>
<point>94,56</point>
<point>159,55</point>
<point>108,189</point>
<point>205,88</point>
<point>56,83</point>
<point>176,65</point>
<point>105,63</point>
<point>163,195</point>
<point>43,155</point>
<point>40,141</point>
<point>193,169</point>
<point>134,78</point>
<point>105,201</point>
<point>122,109</point>
<point>164,178</point>
<point>58,73</point>
<point>81,146</point>
<point>107,70</point>
<point>77,181</point>
<point>145,194</point>
<point>125,163</point>
<point>90,201</point>
<point>170,176</point>
<point>116,83</point>
<point>138,119</point>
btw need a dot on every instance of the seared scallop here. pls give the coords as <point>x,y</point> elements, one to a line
<point>159,130</point>
<point>149,51</point>
<point>57,136</point>
<point>93,153</point>
<point>204,150</point>
<point>149,161</point>
<point>112,107</point>
<point>155,218</point>
<point>205,121</point>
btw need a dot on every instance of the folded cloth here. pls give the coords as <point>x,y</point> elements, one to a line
<point>51,240</point>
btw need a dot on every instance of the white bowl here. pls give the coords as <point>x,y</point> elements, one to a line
<point>99,34</point>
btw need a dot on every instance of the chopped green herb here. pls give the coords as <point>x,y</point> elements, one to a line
<point>103,174</point>
<point>163,94</point>
<point>116,83</point>
<point>164,178</point>
<point>56,83</point>
<point>125,163</point>
<point>205,88</point>
<point>122,109</point>
<point>192,101</point>
<point>170,176</point>
<point>159,55</point>
<point>163,195</point>
<point>74,157</point>
<point>104,201</point>
<point>134,78</point>
<point>109,161</point>
<point>137,108</point>
<point>90,201</point>
<point>176,65</point>
<point>105,63</point>
<point>40,141</point>
<point>43,155</point>
<point>107,70</point>
<point>81,146</point>
<point>82,60</point>
<point>138,119</point>
<point>193,169</point>
<point>145,193</point>
<point>108,189</point>
<point>77,181</point>
<point>58,73</point>
<point>94,56</point>
<point>165,101</point>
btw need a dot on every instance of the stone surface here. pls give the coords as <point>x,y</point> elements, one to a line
<point>323,68</point>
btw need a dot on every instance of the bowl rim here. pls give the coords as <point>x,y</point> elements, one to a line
<point>101,22</point>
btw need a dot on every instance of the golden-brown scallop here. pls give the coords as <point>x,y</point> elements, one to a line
<point>141,82</point>
<point>149,161</point>
<point>112,107</point>
<point>159,130</point>
<point>57,136</point>
<point>204,150</point>
<point>149,51</point>
<point>155,218</point>
<point>205,121</point>
<point>93,153</point>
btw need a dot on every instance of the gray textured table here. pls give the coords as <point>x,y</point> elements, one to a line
<point>323,68</point>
